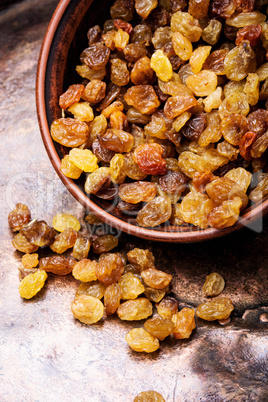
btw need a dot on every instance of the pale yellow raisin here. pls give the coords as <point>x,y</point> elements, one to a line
<point>161,65</point>
<point>84,159</point>
<point>62,221</point>
<point>87,309</point>
<point>141,341</point>
<point>32,284</point>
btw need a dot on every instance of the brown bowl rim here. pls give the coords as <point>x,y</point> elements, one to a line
<point>151,234</point>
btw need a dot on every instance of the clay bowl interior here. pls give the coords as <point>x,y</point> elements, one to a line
<point>64,41</point>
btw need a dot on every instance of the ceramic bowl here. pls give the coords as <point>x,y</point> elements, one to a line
<point>63,43</point>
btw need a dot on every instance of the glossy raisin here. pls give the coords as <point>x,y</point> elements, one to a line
<point>109,269</point>
<point>18,217</point>
<point>57,264</point>
<point>71,96</point>
<point>112,297</point>
<point>96,56</point>
<point>216,309</point>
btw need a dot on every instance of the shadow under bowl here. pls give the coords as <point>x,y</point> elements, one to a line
<point>63,43</point>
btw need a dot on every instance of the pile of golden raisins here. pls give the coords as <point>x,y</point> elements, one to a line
<point>170,120</point>
<point>128,283</point>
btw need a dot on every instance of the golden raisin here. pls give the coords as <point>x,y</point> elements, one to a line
<point>184,323</point>
<point>213,285</point>
<point>216,309</point>
<point>87,309</point>
<point>32,284</point>
<point>136,309</point>
<point>141,341</point>
<point>84,270</point>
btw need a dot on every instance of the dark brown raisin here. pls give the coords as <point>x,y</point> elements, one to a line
<point>194,127</point>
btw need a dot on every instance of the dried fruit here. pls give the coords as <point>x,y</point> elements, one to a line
<point>202,83</point>
<point>64,240</point>
<point>117,140</point>
<point>241,176</point>
<point>112,297</point>
<point>250,33</point>
<point>154,295</point>
<point>87,309</point>
<point>167,307</point>
<point>122,9</point>
<point>215,61</point>
<point>224,189</point>
<point>38,233</point>
<point>81,248</point>
<point>143,97</point>
<point>176,105</point>
<point>96,180</point>
<point>69,132</point>
<point>132,168</point>
<point>142,259</point>
<point>18,217</point>
<point>237,61</point>
<point>139,191</point>
<point>149,159</point>
<point>184,323</point>
<point>211,33</point>
<point>162,35</point>
<point>173,182</point>
<point>134,51</point>
<point>260,191</point>
<point>32,284</point>
<point>82,111</point>
<point>57,264</point>
<point>187,25</point>
<point>94,289</point>
<point>213,285</point>
<point>71,96</point>
<point>141,341</point>
<point>144,7</point>
<point>95,56</point>
<point>194,127</point>
<point>195,208</point>
<point>198,58</point>
<point>213,100</point>
<point>147,396</point>
<point>161,65</point>
<point>224,8</point>
<point>119,72</point>
<point>216,309</point>
<point>259,146</point>
<point>94,91</point>
<point>30,260</point>
<point>198,9</point>
<point>86,72</point>
<point>155,278</point>
<point>104,244</point>
<point>130,286</point>
<point>182,46</point>
<point>22,244</point>
<point>84,270</point>
<point>137,309</point>
<point>234,104</point>
<point>144,78</point>
<point>246,18</point>
<point>155,212</point>
<point>142,72</point>
<point>109,269</point>
<point>159,327</point>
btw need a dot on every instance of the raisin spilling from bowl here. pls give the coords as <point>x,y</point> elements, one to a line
<point>109,281</point>
<point>171,108</point>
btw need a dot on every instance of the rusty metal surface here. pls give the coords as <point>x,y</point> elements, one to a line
<point>45,355</point>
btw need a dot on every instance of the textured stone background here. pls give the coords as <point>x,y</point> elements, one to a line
<point>45,355</point>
